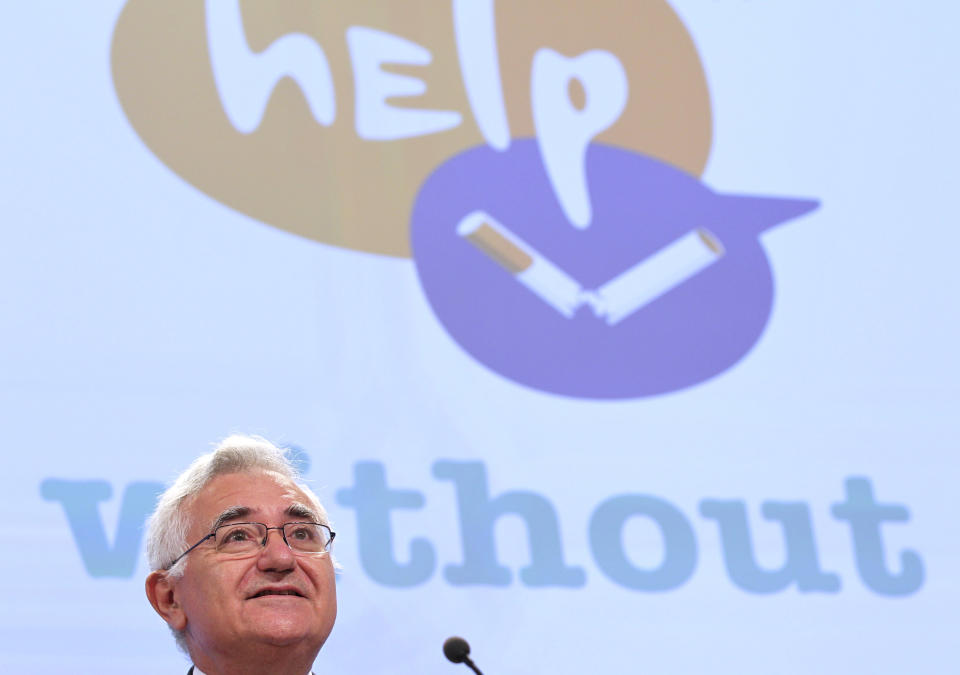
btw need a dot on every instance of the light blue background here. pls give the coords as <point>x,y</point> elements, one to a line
<point>142,320</point>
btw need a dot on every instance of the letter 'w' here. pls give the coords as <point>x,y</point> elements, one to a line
<point>80,499</point>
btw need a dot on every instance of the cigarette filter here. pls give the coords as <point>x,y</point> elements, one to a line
<point>655,275</point>
<point>525,263</point>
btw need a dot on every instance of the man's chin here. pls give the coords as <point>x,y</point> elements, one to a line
<point>281,624</point>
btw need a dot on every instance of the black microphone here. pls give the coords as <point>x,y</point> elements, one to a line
<point>457,650</point>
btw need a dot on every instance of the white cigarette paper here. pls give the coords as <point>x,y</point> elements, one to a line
<point>529,267</point>
<point>659,273</point>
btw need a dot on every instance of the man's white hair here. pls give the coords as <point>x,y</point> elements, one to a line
<point>168,525</point>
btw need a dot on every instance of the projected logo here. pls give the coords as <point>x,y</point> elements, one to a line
<point>539,163</point>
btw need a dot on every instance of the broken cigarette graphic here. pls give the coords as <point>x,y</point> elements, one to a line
<point>529,267</point>
<point>652,277</point>
<point>615,300</point>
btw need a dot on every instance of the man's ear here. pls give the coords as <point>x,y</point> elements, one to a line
<point>162,594</point>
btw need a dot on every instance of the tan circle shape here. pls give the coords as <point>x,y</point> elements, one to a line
<point>325,183</point>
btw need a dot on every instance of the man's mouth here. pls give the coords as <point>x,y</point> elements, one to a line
<point>275,591</point>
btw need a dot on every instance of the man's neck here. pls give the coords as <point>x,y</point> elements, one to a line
<point>197,671</point>
<point>283,663</point>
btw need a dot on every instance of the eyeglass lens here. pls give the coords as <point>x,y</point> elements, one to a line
<point>241,538</point>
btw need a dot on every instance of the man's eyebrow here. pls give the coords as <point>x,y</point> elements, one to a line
<point>231,513</point>
<point>298,510</point>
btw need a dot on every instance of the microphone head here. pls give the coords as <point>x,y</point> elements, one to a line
<point>456,649</point>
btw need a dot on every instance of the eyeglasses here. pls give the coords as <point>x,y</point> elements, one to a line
<point>244,540</point>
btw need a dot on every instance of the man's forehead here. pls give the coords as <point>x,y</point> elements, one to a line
<point>259,493</point>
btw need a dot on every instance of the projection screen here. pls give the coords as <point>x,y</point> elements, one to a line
<point>615,337</point>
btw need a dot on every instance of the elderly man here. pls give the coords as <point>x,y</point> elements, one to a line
<point>242,570</point>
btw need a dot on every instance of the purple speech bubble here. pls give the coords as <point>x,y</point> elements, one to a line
<point>691,332</point>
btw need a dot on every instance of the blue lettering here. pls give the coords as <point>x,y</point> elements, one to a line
<point>801,565</point>
<point>373,501</point>
<point>679,544</point>
<point>865,516</point>
<point>478,514</point>
<point>80,499</point>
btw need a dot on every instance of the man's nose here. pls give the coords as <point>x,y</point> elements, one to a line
<point>276,555</point>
